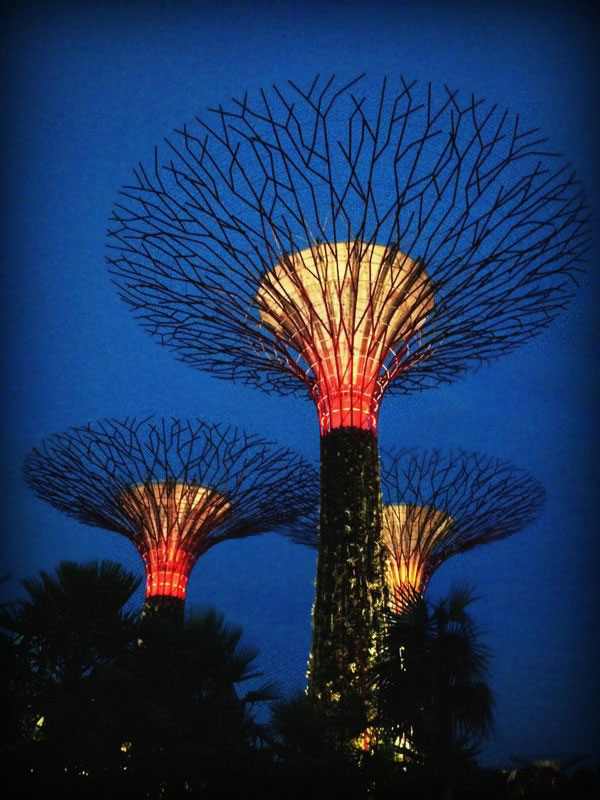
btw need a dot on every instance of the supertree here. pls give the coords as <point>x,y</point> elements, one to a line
<point>342,243</point>
<point>174,488</point>
<point>436,506</point>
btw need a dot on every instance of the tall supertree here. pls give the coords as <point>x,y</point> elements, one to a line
<point>175,488</point>
<point>343,242</point>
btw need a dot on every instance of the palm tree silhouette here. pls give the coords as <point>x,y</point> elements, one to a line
<point>434,704</point>
<point>103,702</point>
<point>61,647</point>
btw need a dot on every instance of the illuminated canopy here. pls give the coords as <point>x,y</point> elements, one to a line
<point>344,308</point>
<point>293,194</point>
<point>436,505</point>
<point>172,521</point>
<point>410,534</point>
<point>174,488</point>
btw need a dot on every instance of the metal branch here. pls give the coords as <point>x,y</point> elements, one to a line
<point>233,205</point>
<point>174,488</point>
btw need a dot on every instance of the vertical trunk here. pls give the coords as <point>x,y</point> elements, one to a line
<point>166,606</point>
<point>350,591</point>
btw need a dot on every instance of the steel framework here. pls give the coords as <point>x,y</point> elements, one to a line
<point>349,240</point>
<point>175,488</point>
<point>436,506</point>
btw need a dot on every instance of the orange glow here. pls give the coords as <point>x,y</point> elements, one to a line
<point>411,535</point>
<point>172,521</point>
<point>344,308</point>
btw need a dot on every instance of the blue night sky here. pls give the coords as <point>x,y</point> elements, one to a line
<point>92,90</point>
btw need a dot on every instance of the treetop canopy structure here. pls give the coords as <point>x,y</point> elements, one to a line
<point>349,239</point>
<point>174,488</point>
<point>436,505</point>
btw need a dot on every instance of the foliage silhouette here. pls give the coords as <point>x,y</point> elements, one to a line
<point>434,704</point>
<point>309,760</point>
<point>63,643</point>
<point>103,703</point>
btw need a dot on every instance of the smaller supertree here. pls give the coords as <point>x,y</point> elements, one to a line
<point>436,506</point>
<point>174,488</point>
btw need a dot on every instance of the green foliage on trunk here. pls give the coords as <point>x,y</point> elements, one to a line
<point>350,590</point>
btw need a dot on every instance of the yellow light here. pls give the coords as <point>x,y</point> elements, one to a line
<point>344,307</point>
<point>171,519</point>
<point>410,534</point>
